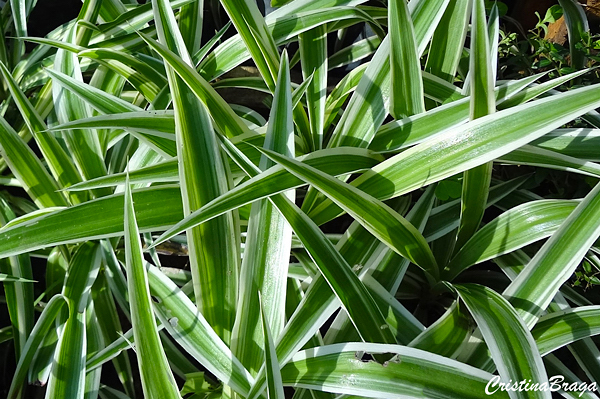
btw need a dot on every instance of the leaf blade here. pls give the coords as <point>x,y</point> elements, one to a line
<point>511,344</point>
<point>157,378</point>
<point>555,261</point>
<point>378,218</point>
<point>213,246</point>
<point>406,96</point>
<point>268,243</point>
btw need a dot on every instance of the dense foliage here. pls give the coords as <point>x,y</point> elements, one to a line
<point>307,199</point>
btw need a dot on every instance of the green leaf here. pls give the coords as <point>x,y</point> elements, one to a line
<point>86,20</point>
<point>273,372</point>
<point>107,392</point>
<point>165,171</point>
<point>20,12</point>
<point>94,342</point>
<point>123,342</point>
<point>142,76</point>
<point>577,27</point>
<point>319,303</point>
<point>556,260</point>
<point>514,229</point>
<point>60,164</point>
<point>253,30</point>
<point>34,341</point>
<point>214,248</point>
<point>190,25</point>
<point>28,169</point>
<point>201,53</point>
<point>19,297</point>
<point>353,295</point>
<point>369,104</point>
<point>157,378</point>
<point>406,95</point>
<point>493,30</point>
<point>404,133</point>
<point>448,41</point>
<point>4,50</point>
<point>127,22</point>
<point>353,53</point>
<point>556,367</point>
<point>426,15</point>
<point>579,143</point>
<point>475,190</point>
<point>375,216</point>
<point>338,368</point>
<point>313,56</point>
<point>222,115</point>
<point>535,91</point>
<point>447,335</point>
<point>158,209</point>
<point>272,181</point>
<point>190,329</point>
<point>558,329</point>
<point>331,264</point>
<point>530,155</point>
<point>296,7</point>
<point>448,189</point>
<point>469,145</point>
<point>68,369</point>
<point>155,123</point>
<point>84,146</point>
<point>285,24</point>
<point>110,82</point>
<point>109,104</point>
<point>6,334</point>
<point>508,338</point>
<point>55,43</point>
<point>446,216</point>
<point>6,278</point>
<point>108,321</point>
<point>268,242</point>
<point>390,269</point>
<point>480,64</point>
<point>476,181</point>
<point>402,323</point>
<point>340,93</point>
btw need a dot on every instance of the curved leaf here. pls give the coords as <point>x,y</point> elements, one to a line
<point>157,209</point>
<point>476,181</point>
<point>558,329</point>
<point>187,325</point>
<point>530,155</point>
<point>222,115</point>
<point>336,368</point>
<point>468,146</point>
<point>579,143</point>
<point>268,183</point>
<point>556,261</point>
<point>35,339</point>
<point>378,218</point>
<point>514,229</point>
<point>508,338</point>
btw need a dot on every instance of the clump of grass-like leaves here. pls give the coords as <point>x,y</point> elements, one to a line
<point>443,264</point>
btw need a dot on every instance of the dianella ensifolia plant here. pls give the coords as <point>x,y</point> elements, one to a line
<point>443,263</point>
